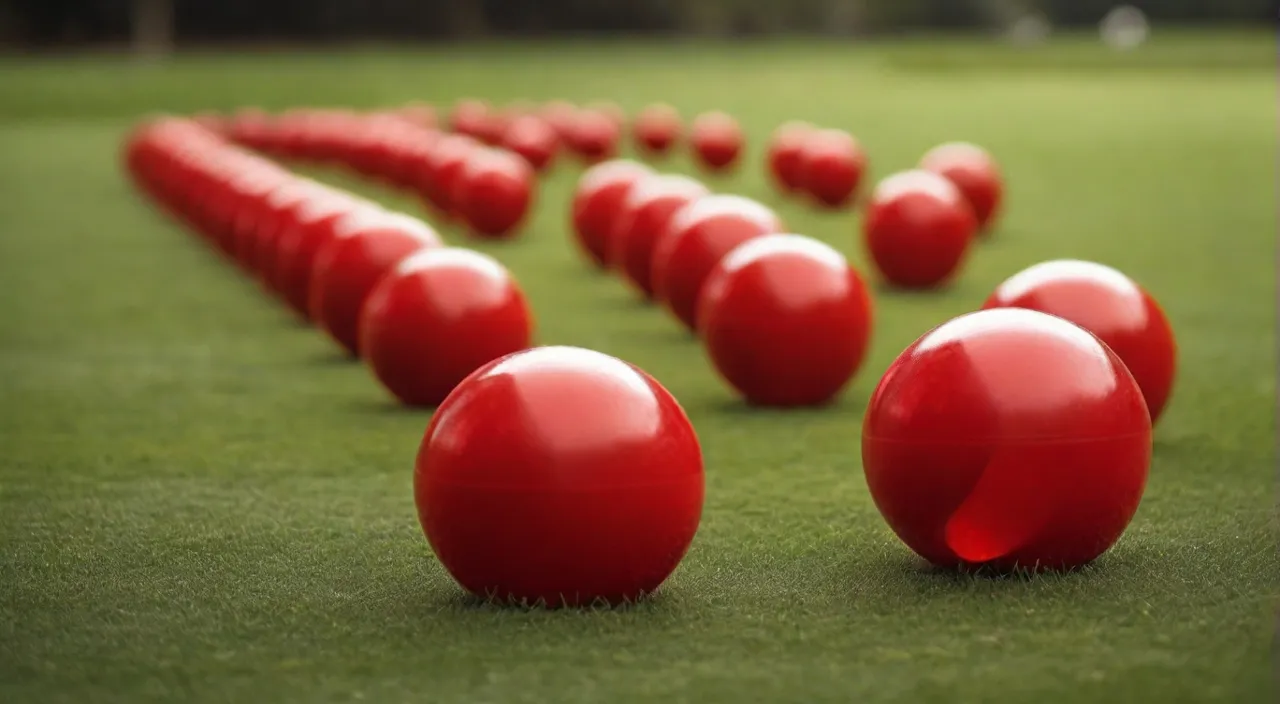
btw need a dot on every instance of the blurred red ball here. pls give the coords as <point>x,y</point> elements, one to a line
<point>831,167</point>
<point>717,140</point>
<point>974,172</point>
<point>917,229</point>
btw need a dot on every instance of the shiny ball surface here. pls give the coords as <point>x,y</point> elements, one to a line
<point>594,135</point>
<point>717,140</point>
<point>832,163</point>
<point>918,229</point>
<point>786,147</point>
<point>533,139</point>
<point>597,205</point>
<point>648,208</point>
<point>785,320</point>
<point>698,236</point>
<point>495,192</point>
<point>657,129</point>
<point>972,169</point>
<point>559,476</point>
<point>1108,304</point>
<point>1010,439</point>
<point>437,316</point>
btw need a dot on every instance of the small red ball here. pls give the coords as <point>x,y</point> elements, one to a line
<point>1108,304</point>
<point>974,172</point>
<point>1007,438</point>
<point>717,140</point>
<point>917,229</point>
<point>594,136</point>
<point>439,315</point>
<point>470,117</point>
<point>597,204</point>
<point>696,239</point>
<point>347,269</point>
<point>561,115</point>
<point>559,476</point>
<point>657,129</point>
<point>785,320</point>
<point>495,192</point>
<point>647,210</point>
<point>784,159</point>
<point>532,138</point>
<point>444,171</point>
<point>831,167</point>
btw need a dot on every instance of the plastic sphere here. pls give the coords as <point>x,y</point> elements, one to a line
<point>656,129</point>
<point>439,315</point>
<point>594,135</point>
<point>717,140</point>
<point>1007,438</point>
<point>974,172</point>
<point>495,192</point>
<point>1108,304</point>
<point>533,139</point>
<point>647,210</point>
<point>785,320</point>
<point>597,205</point>
<point>831,167</point>
<point>559,476</point>
<point>918,229</point>
<point>698,236</point>
<point>784,158</point>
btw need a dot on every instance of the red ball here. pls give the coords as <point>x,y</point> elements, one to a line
<point>348,267</point>
<point>470,117</point>
<point>831,167</point>
<point>594,136</point>
<point>560,476</point>
<point>439,315</point>
<point>297,248</point>
<point>1108,304</point>
<point>785,320</point>
<point>1007,438</point>
<point>784,159</point>
<point>444,172</point>
<point>532,138</point>
<point>495,192</point>
<point>597,204</point>
<point>717,140</point>
<point>917,229</point>
<point>657,129</point>
<point>974,172</point>
<point>647,210</point>
<point>696,239</point>
<point>561,115</point>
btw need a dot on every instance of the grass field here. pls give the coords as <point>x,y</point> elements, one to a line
<point>201,501</point>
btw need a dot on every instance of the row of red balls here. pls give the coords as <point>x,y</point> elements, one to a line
<point>380,283</point>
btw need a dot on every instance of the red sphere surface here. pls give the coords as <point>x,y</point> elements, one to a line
<point>532,138</point>
<point>1007,438</point>
<point>785,320</point>
<point>297,248</point>
<point>656,129</point>
<point>437,316</point>
<point>349,267</point>
<point>646,212</point>
<point>831,167</point>
<point>561,115</point>
<point>560,476</point>
<point>444,170</point>
<point>1108,304</point>
<point>470,117</point>
<point>784,158</point>
<point>594,135</point>
<point>974,172</point>
<point>696,239</point>
<point>917,229</point>
<point>597,204</point>
<point>717,140</point>
<point>495,192</point>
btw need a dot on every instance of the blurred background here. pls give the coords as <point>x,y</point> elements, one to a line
<point>158,25</point>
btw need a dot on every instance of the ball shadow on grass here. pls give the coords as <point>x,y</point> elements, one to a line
<point>332,357</point>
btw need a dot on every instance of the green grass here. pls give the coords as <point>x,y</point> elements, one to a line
<point>200,501</point>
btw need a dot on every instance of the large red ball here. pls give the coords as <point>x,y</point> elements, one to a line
<point>495,192</point>
<point>597,204</point>
<point>717,140</point>
<point>559,476</point>
<point>698,236</point>
<point>974,172</point>
<point>647,210</point>
<point>918,229</point>
<point>832,163</point>
<point>785,320</point>
<point>786,147</point>
<point>657,129</point>
<point>1007,438</point>
<point>348,268</point>
<point>1108,304</point>
<point>439,315</point>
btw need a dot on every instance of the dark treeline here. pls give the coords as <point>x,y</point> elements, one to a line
<point>70,21</point>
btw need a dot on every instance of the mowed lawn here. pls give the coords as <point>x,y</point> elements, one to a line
<point>200,500</point>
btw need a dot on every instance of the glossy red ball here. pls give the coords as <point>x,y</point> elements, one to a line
<point>560,476</point>
<point>698,236</point>
<point>974,172</point>
<point>440,181</point>
<point>1108,304</point>
<point>436,317</point>
<point>495,192</point>
<point>1007,438</point>
<point>785,320</point>
<point>717,140</point>
<point>831,167</point>
<point>597,204</point>
<point>533,139</point>
<point>784,157</point>
<point>647,210</point>
<point>299,245</point>
<point>594,136</point>
<point>470,117</point>
<point>657,129</point>
<point>917,229</point>
<point>349,267</point>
